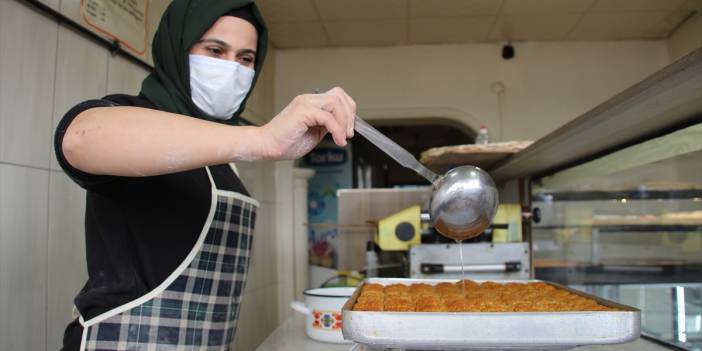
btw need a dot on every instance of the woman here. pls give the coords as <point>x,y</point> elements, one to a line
<point>168,222</point>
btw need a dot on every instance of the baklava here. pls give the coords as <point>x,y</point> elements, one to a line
<point>470,296</point>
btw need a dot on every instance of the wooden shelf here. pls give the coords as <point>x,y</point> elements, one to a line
<point>485,156</point>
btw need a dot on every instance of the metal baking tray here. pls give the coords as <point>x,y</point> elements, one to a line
<point>488,330</point>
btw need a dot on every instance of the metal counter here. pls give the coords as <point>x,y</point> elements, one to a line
<point>290,336</point>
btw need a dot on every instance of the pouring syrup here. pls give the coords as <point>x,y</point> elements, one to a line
<point>463,271</point>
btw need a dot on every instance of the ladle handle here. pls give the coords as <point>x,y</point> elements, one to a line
<point>397,152</point>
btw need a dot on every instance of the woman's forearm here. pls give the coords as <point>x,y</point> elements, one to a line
<point>133,141</point>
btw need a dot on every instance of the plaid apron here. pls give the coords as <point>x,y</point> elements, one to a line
<point>197,306</point>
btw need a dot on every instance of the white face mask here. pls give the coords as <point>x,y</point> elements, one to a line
<point>218,87</point>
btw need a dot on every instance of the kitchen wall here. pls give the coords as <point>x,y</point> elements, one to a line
<point>546,85</point>
<point>268,289</point>
<point>45,68</point>
<point>686,38</point>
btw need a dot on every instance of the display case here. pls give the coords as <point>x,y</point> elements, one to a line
<point>628,227</point>
<point>633,216</point>
<point>614,201</point>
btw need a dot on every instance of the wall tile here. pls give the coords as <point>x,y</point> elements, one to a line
<point>243,338</point>
<point>67,270</point>
<point>260,326</point>
<point>124,76</point>
<point>54,4</point>
<point>263,262</point>
<point>259,305</point>
<point>28,46</point>
<point>283,236</point>
<point>23,250</point>
<point>71,9</point>
<point>249,175</point>
<point>259,179</point>
<point>81,74</point>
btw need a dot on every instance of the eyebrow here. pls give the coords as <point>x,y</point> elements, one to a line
<point>216,41</point>
<point>227,46</point>
<point>246,51</point>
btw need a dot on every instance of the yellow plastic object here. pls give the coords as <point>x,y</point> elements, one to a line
<point>510,214</point>
<point>400,231</point>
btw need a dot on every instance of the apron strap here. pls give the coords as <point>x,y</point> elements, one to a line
<point>209,175</point>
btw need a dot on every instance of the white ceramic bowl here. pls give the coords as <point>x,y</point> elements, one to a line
<point>323,309</point>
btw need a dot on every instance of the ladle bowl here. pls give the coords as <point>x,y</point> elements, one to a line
<point>463,203</point>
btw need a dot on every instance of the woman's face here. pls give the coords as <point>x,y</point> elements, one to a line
<point>231,39</point>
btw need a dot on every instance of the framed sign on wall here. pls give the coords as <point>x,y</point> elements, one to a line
<point>125,21</point>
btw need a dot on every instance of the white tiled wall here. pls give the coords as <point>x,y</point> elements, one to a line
<point>45,69</point>
<point>27,62</point>
<point>266,295</point>
<point>284,236</point>
<point>66,254</point>
<point>23,252</point>
<point>123,76</point>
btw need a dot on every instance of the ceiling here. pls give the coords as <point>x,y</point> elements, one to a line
<point>333,23</point>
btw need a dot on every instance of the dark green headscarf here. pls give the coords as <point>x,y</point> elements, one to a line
<point>182,25</point>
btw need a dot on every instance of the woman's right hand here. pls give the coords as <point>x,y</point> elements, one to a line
<point>301,125</point>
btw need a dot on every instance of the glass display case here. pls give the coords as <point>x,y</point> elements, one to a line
<point>612,201</point>
<point>628,226</point>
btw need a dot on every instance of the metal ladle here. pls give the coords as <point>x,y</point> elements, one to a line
<point>463,202</point>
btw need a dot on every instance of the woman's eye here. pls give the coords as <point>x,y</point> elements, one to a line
<point>215,51</point>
